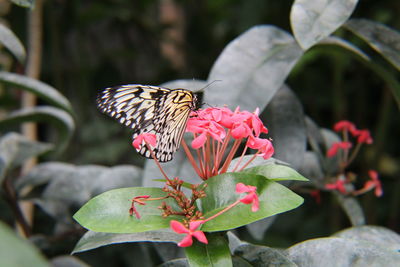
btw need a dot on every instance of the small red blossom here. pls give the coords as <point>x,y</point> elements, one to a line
<point>344,125</point>
<point>333,150</point>
<point>187,241</point>
<point>374,183</point>
<point>339,185</point>
<point>149,138</point>
<point>140,202</point>
<point>363,137</point>
<point>251,197</point>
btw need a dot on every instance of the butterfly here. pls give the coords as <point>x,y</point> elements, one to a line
<point>151,109</point>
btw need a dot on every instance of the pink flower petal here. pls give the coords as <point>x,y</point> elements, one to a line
<point>256,204</point>
<point>248,199</point>
<point>344,125</point>
<point>199,235</point>
<point>178,227</point>
<point>199,141</point>
<point>194,225</point>
<point>187,241</point>
<point>242,188</point>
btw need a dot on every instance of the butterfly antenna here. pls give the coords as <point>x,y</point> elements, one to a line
<point>209,84</point>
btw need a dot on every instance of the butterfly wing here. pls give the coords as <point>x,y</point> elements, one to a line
<point>170,123</point>
<point>150,109</point>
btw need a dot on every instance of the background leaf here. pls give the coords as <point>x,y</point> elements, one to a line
<point>9,40</point>
<point>263,256</point>
<point>346,252</point>
<point>15,149</point>
<point>92,240</point>
<point>12,247</point>
<point>58,117</point>
<point>284,118</point>
<point>260,52</point>
<point>377,235</point>
<point>313,20</point>
<point>24,3</point>
<point>40,89</point>
<point>383,39</point>
<point>352,208</point>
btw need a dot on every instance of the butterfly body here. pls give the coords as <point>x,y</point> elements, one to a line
<point>151,109</point>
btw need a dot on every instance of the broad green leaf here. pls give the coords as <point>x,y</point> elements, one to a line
<point>215,253</point>
<point>40,89</point>
<point>9,40</point>
<point>92,240</point>
<point>276,172</point>
<point>15,149</point>
<point>17,252</point>
<point>313,20</point>
<point>252,68</point>
<point>274,198</point>
<point>109,212</point>
<point>24,3</point>
<point>383,39</point>
<point>61,119</point>
<point>341,252</point>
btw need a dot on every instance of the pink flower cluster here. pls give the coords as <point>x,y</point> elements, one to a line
<point>213,122</point>
<point>347,127</point>
<point>213,128</point>
<point>372,183</point>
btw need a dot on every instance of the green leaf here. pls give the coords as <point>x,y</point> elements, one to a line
<point>40,89</point>
<point>109,212</point>
<point>17,252</point>
<point>312,20</point>
<point>92,240</point>
<point>260,52</point>
<point>215,253</point>
<point>383,39</point>
<point>24,3</point>
<point>61,119</point>
<point>15,149</point>
<point>276,172</point>
<point>274,198</point>
<point>9,40</point>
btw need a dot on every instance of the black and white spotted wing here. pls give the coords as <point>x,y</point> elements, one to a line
<point>151,109</point>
